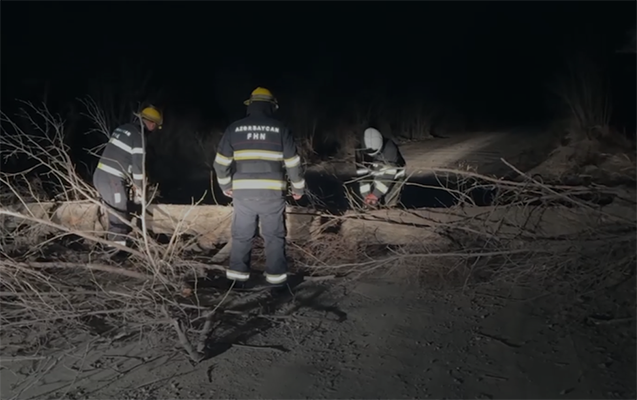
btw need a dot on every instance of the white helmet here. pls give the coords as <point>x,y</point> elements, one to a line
<point>373,140</point>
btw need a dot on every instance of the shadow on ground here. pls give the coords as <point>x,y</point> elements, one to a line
<point>430,191</point>
<point>191,191</point>
<point>328,193</point>
<point>251,312</point>
<point>418,192</point>
<point>333,194</point>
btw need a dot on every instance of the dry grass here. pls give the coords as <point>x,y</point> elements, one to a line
<point>584,90</point>
<point>608,160</point>
<point>417,123</point>
<point>590,149</point>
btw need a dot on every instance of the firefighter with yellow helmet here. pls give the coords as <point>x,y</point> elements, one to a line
<point>120,172</point>
<point>252,159</point>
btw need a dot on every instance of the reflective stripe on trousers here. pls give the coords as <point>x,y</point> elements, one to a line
<point>237,276</point>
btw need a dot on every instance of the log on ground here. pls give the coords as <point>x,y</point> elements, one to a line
<point>210,223</point>
<point>403,227</point>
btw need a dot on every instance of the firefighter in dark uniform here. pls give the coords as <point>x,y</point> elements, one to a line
<point>387,167</point>
<point>120,173</point>
<point>250,164</point>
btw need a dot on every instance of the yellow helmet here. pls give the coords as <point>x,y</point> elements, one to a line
<point>261,94</point>
<point>152,114</point>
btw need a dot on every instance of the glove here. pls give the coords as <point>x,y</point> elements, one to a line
<point>371,199</point>
<point>137,195</point>
<point>296,195</point>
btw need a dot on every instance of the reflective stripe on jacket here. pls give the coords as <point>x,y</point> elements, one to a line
<point>387,163</point>
<point>253,156</point>
<point>123,155</point>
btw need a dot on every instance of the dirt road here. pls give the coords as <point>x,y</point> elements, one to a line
<point>524,148</point>
<point>371,339</point>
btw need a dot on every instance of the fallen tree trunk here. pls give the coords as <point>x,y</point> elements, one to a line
<point>400,227</point>
<point>212,224</point>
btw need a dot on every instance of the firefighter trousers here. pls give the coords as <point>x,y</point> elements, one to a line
<point>247,215</point>
<point>114,195</point>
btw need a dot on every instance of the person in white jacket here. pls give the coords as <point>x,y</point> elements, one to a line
<point>386,166</point>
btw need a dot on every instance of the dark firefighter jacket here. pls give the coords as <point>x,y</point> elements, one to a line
<point>386,164</point>
<point>253,153</point>
<point>123,156</point>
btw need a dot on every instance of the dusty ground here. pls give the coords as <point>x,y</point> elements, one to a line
<point>376,338</point>
<point>379,337</point>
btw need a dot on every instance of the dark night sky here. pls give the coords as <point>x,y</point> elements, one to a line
<point>487,58</point>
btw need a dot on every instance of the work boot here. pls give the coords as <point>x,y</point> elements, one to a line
<point>115,253</point>
<point>119,255</point>
<point>279,289</point>
<point>238,285</point>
